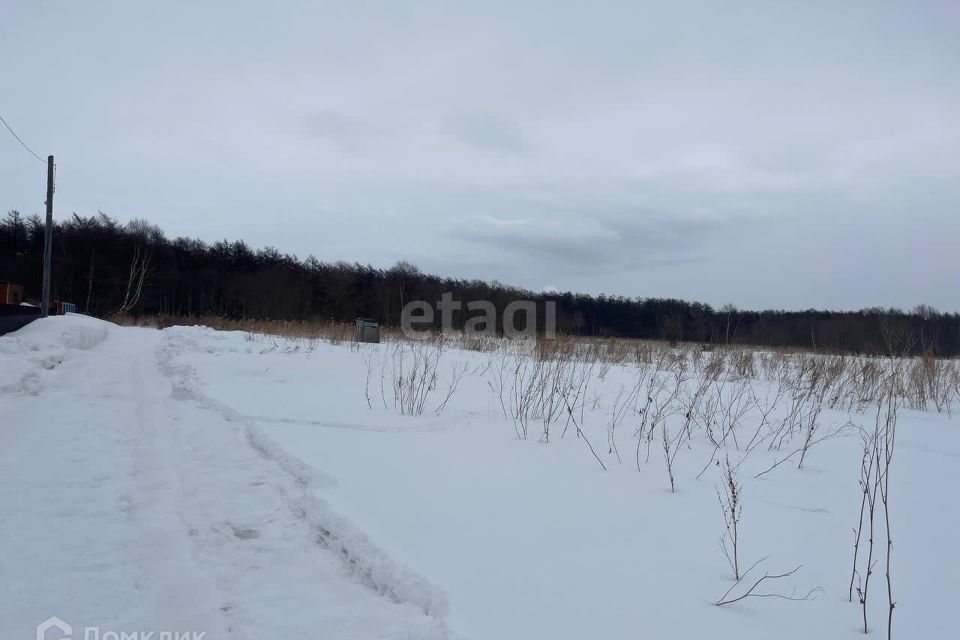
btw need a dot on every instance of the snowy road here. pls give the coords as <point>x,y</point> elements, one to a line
<point>131,508</point>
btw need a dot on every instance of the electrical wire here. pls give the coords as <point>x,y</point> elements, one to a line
<point>10,129</point>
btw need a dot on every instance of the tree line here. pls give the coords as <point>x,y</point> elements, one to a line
<point>105,268</point>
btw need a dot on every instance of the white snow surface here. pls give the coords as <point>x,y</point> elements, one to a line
<point>190,479</point>
<point>132,504</point>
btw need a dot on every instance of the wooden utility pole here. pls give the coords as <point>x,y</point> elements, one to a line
<point>48,242</point>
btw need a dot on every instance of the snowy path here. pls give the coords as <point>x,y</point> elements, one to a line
<point>131,509</point>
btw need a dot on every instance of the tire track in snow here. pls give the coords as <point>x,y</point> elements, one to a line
<point>360,555</point>
<point>93,535</point>
<point>164,546</point>
<point>439,424</point>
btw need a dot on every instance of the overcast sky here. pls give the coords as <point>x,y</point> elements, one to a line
<point>768,154</point>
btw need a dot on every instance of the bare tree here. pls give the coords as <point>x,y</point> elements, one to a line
<point>146,236</point>
<point>139,268</point>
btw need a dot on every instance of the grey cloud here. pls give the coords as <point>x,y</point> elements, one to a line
<point>487,132</point>
<point>623,241</point>
<point>636,148</point>
<point>344,132</point>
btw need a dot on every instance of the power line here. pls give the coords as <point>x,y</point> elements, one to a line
<point>21,141</point>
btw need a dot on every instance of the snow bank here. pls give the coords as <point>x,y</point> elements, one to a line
<point>371,564</point>
<point>30,353</point>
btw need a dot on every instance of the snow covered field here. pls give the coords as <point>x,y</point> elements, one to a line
<point>257,487</point>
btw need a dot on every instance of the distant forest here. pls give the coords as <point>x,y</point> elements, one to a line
<point>106,268</point>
